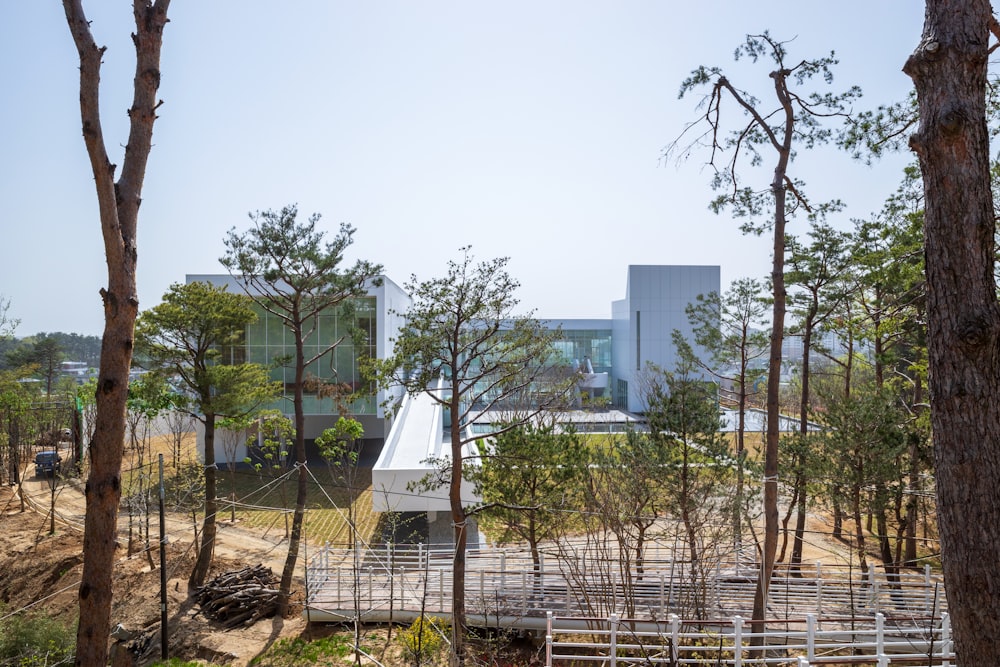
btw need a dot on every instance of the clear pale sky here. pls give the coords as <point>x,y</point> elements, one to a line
<point>527,129</point>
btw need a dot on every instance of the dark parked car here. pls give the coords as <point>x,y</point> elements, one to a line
<point>47,464</point>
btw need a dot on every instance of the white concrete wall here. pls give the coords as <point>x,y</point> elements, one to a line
<point>654,306</point>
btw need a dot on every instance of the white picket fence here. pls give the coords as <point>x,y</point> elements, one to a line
<point>873,640</point>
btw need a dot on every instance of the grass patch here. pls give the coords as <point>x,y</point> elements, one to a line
<point>270,503</point>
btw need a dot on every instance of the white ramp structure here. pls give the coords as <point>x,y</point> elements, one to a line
<point>416,445</point>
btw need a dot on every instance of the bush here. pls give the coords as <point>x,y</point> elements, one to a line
<point>35,641</point>
<point>423,640</point>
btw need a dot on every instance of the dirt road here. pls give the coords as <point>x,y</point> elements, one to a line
<point>233,541</point>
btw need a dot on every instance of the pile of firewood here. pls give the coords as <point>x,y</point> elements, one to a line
<point>242,597</point>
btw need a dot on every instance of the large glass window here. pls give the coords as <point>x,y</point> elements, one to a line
<point>268,340</point>
<point>580,345</point>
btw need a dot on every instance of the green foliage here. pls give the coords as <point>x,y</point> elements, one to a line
<point>186,338</point>
<point>178,662</point>
<point>424,639</point>
<point>527,473</point>
<point>148,396</point>
<point>269,447</point>
<point>796,116</point>
<point>296,652</point>
<point>35,640</point>
<point>185,488</point>
<point>335,444</point>
<point>465,327</point>
<point>731,328</point>
<point>39,355</point>
<point>281,260</point>
<point>865,440</point>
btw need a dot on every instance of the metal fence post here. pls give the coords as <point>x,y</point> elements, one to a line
<point>548,639</point>
<point>810,637</point>
<point>737,641</point>
<point>883,660</point>
<point>819,597</point>
<point>675,637</point>
<point>928,590</point>
<point>613,639</point>
<point>946,648</point>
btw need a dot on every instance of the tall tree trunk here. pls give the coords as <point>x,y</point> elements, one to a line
<point>458,518</point>
<point>884,544</point>
<point>804,404</point>
<point>119,211</point>
<point>294,539</point>
<point>838,515</point>
<point>770,491</point>
<point>208,528</point>
<point>949,70</point>
<point>859,528</point>
<point>798,541</point>
<point>740,452</point>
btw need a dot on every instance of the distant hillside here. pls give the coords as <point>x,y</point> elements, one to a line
<point>72,346</point>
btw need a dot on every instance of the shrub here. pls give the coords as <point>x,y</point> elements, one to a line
<point>35,641</point>
<point>422,641</point>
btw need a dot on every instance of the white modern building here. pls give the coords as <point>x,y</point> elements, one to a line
<point>611,353</point>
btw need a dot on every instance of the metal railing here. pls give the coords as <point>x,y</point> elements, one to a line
<point>503,586</point>
<point>872,640</point>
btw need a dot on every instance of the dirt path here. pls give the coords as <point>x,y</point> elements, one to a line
<point>233,542</point>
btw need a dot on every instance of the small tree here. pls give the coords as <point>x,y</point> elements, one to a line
<point>148,398</point>
<point>816,278</point>
<point>233,433</point>
<point>180,425</point>
<point>182,338</point>
<point>338,446</point>
<point>528,474</point>
<point>268,450</point>
<point>293,274</point>
<point>8,324</point>
<point>684,423</point>
<point>863,446</point>
<point>732,328</point>
<point>463,328</point>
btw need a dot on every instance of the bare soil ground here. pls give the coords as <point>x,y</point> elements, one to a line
<point>42,571</point>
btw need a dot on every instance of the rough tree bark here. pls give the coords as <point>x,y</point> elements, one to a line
<point>119,211</point>
<point>209,527</point>
<point>949,70</point>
